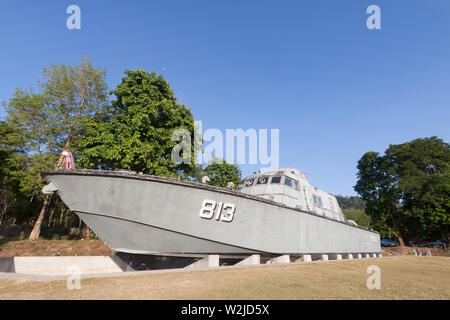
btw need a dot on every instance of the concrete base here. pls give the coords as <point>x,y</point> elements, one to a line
<point>337,256</point>
<point>307,258</point>
<point>55,266</point>
<point>367,256</point>
<point>324,257</point>
<point>250,261</point>
<point>359,256</point>
<point>280,259</point>
<point>374,255</point>
<point>348,256</point>
<point>210,261</point>
<point>380,255</point>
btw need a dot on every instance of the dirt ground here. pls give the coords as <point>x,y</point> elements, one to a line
<point>404,277</point>
<point>386,251</point>
<point>26,248</point>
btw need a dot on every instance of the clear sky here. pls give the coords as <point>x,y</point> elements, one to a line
<point>312,69</point>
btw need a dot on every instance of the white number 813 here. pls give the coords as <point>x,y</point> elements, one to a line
<point>225,211</point>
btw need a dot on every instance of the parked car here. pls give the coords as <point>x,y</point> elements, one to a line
<point>438,244</point>
<point>389,243</point>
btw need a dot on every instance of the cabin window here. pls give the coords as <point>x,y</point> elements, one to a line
<point>317,201</point>
<point>276,180</point>
<point>262,180</point>
<point>288,181</point>
<point>249,183</point>
<point>297,185</point>
<point>240,186</point>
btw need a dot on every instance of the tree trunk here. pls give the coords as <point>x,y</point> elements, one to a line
<point>399,235</point>
<point>66,217</point>
<point>3,208</point>
<point>37,226</point>
<point>400,241</point>
<point>3,212</point>
<point>61,214</point>
<point>2,216</point>
<point>50,218</point>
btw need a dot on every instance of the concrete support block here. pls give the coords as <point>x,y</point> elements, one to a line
<point>210,261</point>
<point>250,261</point>
<point>367,256</point>
<point>380,255</point>
<point>348,256</point>
<point>281,259</point>
<point>359,256</point>
<point>307,258</point>
<point>55,266</point>
<point>374,255</point>
<point>324,257</point>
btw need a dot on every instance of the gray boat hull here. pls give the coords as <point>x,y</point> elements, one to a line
<point>151,215</point>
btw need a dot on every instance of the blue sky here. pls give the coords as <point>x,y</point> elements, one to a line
<point>309,68</point>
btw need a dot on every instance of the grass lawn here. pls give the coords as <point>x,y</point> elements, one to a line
<point>401,278</point>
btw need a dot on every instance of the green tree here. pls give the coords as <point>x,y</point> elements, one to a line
<point>74,94</point>
<point>138,133</point>
<point>354,209</point>
<point>407,189</point>
<point>351,202</point>
<point>422,168</point>
<point>8,148</point>
<point>220,173</point>
<point>51,120</point>
<point>358,216</point>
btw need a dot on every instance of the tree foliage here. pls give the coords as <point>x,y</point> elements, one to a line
<point>351,202</point>
<point>221,173</point>
<point>407,190</point>
<point>357,215</point>
<point>138,133</point>
<point>39,124</point>
<point>354,209</point>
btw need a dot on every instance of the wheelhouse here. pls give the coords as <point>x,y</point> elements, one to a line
<point>291,187</point>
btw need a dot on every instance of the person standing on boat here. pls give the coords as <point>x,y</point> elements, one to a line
<point>66,160</point>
